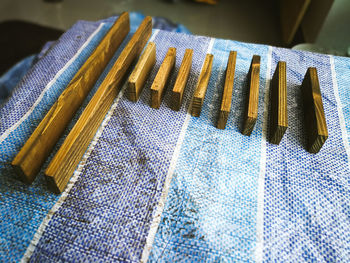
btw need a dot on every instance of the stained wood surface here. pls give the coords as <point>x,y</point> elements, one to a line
<point>252,100</point>
<point>181,80</point>
<point>278,104</point>
<point>159,82</point>
<point>140,73</point>
<point>73,148</point>
<point>314,117</point>
<point>40,144</point>
<point>227,93</point>
<point>202,85</point>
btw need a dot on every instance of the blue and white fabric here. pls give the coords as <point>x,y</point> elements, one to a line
<point>163,186</point>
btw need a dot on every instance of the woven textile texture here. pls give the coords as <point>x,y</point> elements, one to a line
<point>163,186</point>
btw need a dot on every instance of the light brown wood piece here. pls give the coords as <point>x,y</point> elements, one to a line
<point>314,117</point>
<point>140,73</point>
<point>278,104</point>
<point>181,80</point>
<point>33,154</point>
<point>159,82</point>
<point>228,88</point>
<point>252,100</point>
<point>73,148</point>
<point>291,15</point>
<point>202,85</point>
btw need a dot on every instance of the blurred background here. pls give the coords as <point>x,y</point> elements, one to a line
<point>316,25</point>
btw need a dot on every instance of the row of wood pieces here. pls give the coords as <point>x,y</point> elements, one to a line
<point>314,116</point>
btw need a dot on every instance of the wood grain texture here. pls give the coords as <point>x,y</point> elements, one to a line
<point>278,104</point>
<point>40,144</point>
<point>73,148</point>
<point>181,80</point>
<point>202,85</point>
<point>252,101</point>
<point>314,117</point>
<point>159,82</point>
<point>227,93</point>
<point>141,71</point>
<point>291,15</point>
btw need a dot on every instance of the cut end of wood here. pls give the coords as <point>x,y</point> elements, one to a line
<point>53,186</point>
<point>223,116</point>
<point>248,126</point>
<point>23,174</point>
<point>277,135</point>
<point>316,145</point>
<point>196,107</point>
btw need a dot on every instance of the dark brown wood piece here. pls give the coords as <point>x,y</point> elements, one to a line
<point>314,117</point>
<point>159,83</point>
<point>252,100</point>
<point>181,80</point>
<point>278,104</point>
<point>33,154</point>
<point>202,85</point>
<point>228,88</point>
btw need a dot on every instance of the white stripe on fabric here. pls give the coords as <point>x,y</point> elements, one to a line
<point>261,180</point>
<point>76,174</point>
<point>339,108</point>
<point>160,207</point>
<point>48,86</point>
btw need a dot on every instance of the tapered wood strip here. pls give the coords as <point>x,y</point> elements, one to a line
<point>70,153</point>
<point>228,88</point>
<point>202,85</point>
<point>39,145</point>
<point>140,73</point>
<point>159,82</point>
<point>278,104</point>
<point>314,117</point>
<point>181,80</point>
<point>252,100</point>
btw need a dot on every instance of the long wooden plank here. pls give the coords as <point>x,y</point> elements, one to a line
<point>314,117</point>
<point>140,73</point>
<point>181,80</point>
<point>39,145</point>
<point>202,85</point>
<point>278,104</point>
<point>69,155</point>
<point>228,88</point>
<point>159,82</point>
<point>252,100</point>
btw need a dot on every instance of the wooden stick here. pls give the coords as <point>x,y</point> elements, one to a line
<point>228,88</point>
<point>278,104</point>
<point>73,148</point>
<point>158,86</point>
<point>37,148</point>
<point>252,100</point>
<point>202,85</point>
<point>181,80</point>
<point>140,73</point>
<point>314,117</point>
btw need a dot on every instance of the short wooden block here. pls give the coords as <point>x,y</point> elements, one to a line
<point>202,85</point>
<point>278,104</point>
<point>314,117</point>
<point>38,147</point>
<point>158,86</point>
<point>228,88</point>
<point>181,80</point>
<point>67,158</point>
<point>140,73</point>
<point>252,101</point>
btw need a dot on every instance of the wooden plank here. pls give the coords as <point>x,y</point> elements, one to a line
<point>228,88</point>
<point>291,15</point>
<point>278,104</point>
<point>140,73</point>
<point>252,101</point>
<point>159,82</point>
<point>39,145</point>
<point>181,80</point>
<point>202,85</point>
<point>314,117</point>
<point>73,148</point>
